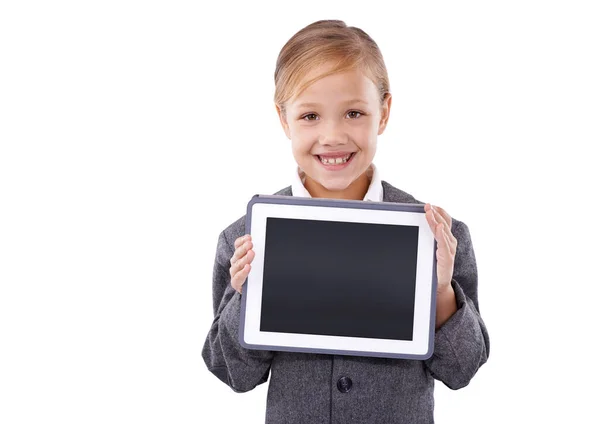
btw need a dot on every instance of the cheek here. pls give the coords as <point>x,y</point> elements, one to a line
<point>302,139</point>
<point>365,134</point>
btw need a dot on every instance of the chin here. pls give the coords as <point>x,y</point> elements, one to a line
<point>335,185</point>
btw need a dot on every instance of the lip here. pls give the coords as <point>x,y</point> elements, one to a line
<point>334,155</point>
<point>337,155</point>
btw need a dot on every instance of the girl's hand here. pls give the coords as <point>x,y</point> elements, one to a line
<point>240,262</point>
<point>441,223</point>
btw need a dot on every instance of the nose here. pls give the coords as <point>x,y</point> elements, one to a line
<point>332,134</point>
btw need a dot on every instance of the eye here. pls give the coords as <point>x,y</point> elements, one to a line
<point>356,113</point>
<point>310,116</point>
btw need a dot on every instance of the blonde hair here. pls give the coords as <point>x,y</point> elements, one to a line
<point>323,42</point>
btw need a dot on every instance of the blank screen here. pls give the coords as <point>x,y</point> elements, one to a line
<point>339,278</point>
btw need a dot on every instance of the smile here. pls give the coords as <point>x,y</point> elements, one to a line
<point>335,163</point>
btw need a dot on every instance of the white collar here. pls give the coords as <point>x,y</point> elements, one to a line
<point>374,193</point>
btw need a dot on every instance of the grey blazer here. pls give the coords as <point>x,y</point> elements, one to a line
<point>307,388</point>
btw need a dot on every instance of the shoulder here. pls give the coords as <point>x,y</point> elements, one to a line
<point>395,195</point>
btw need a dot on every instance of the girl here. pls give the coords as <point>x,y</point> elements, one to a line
<point>333,99</point>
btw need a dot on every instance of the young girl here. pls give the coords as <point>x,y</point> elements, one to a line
<point>333,99</point>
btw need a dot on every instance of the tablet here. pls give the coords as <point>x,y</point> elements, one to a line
<point>344,277</point>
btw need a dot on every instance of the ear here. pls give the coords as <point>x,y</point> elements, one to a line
<point>385,113</point>
<point>283,120</point>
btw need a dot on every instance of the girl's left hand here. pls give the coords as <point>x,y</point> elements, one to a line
<point>441,223</point>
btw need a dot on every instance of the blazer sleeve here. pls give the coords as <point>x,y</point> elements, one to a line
<point>240,368</point>
<point>462,343</point>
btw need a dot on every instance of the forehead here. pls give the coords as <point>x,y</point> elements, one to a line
<point>339,87</point>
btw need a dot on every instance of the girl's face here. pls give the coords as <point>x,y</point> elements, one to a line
<point>333,125</point>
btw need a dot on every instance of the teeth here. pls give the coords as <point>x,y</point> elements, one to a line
<point>335,161</point>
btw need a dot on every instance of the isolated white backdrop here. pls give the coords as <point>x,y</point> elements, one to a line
<point>133,132</point>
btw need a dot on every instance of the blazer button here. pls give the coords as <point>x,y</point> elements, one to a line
<point>344,384</point>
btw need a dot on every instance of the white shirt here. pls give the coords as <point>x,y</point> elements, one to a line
<point>374,193</point>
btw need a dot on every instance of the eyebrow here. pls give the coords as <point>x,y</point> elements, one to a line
<point>347,102</point>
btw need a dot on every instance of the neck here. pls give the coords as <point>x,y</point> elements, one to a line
<point>355,191</point>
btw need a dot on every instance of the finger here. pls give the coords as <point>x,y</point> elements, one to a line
<point>451,240</point>
<point>434,218</point>
<point>239,264</point>
<point>429,215</point>
<point>240,252</point>
<point>441,213</point>
<point>438,217</point>
<point>443,252</point>
<point>239,278</point>
<point>444,246</point>
<point>246,259</point>
<point>240,240</point>
<point>439,236</point>
<point>447,226</point>
<point>435,226</point>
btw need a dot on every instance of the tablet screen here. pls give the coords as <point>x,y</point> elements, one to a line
<point>339,278</point>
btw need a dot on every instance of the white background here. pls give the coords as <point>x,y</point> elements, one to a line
<point>132,133</point>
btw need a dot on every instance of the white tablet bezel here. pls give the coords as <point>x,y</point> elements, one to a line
<point>342,211</point>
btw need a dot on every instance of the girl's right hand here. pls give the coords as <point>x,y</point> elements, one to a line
<point>240,261</point>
